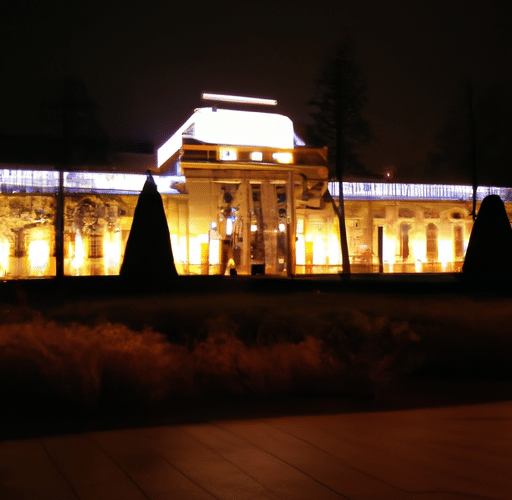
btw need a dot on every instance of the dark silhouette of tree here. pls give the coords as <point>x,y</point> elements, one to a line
<point>69,115</point>
<point>339,125</point>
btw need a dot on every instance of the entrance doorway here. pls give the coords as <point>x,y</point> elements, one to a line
<point>252,228</point>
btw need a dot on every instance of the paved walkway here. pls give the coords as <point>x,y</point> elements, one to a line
<point>447,453</point>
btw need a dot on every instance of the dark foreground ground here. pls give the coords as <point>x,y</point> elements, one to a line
<point>41,292</point>
<point>448,453</point>
<point>464,331</point>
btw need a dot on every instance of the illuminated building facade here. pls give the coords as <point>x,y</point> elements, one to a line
<point>98,211</point>
<point>241,193</point>
<point>255,198</point>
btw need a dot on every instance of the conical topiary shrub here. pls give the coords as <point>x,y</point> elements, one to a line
<point>489,254</point>
<point>148,254</point>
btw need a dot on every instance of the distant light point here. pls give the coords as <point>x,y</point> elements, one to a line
<point>388,174</point>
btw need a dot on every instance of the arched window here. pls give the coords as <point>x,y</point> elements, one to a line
<point>458,241</point>
<point>404,240</point>
<point>95,244</point>
<point>432,248</point>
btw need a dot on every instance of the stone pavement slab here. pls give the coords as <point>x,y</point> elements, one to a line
<point>441,453</point>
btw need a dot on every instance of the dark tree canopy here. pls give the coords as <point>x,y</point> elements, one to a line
<point>338,120</point>
<point>339,125</point>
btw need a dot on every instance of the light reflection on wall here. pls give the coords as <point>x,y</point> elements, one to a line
<point>389,245</point>
<point>419,254</point>
<point>445,253</point>
<point>180,253</point>
<point>78,252</point>
<point>112,251</point>
<point>199,254</point>
<point>334,250</point>
<point>300,251</point>
<point>320,255</point>
<point>214,252</point>
<point>39,256</point>
<point>4,257</point>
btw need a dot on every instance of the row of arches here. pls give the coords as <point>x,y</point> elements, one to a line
<point>431,241</point>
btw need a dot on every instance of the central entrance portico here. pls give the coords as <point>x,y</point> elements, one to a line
<point>245,173</point>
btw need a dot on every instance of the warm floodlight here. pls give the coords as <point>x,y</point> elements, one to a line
<point>283,157</point>
<point>238,99</point>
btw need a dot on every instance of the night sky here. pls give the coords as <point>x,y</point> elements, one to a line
<point>145,64</point>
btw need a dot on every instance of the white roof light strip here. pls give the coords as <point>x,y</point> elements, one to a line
<point>401,191</point>
<point>238,99</point>
<point>15,180</point>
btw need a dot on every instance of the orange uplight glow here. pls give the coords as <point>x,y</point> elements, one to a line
<point>112,251</point>
<point>4,257</point>
<point>283,157</point>
<point>389,252</point>
<point>79,255</point>
<point>39,254</point>
<point>445,253</point>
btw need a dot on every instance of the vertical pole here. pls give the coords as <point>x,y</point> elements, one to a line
<point>67,98</point>
<point>473,150</point>
<point>245,216</point>
<point>380,239</point>
<point>291,227</point>
<point>59,228</point>
<point>343,232</point>
<point>270,225</point>
<point>340,168</point>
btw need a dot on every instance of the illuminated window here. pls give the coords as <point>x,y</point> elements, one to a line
<point>96,245</point>
<point>256,156</point>
<point>380,213</point>
<point>432,242</point>
<point>405,213</point>
<point>229,226</point>
<point>283,157</point>
<point>227,154</point>
<point>404,241</point>
<point>432,214</point>
<point>458,241</point>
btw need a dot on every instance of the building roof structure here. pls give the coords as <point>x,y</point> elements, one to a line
<point>227,127</point>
